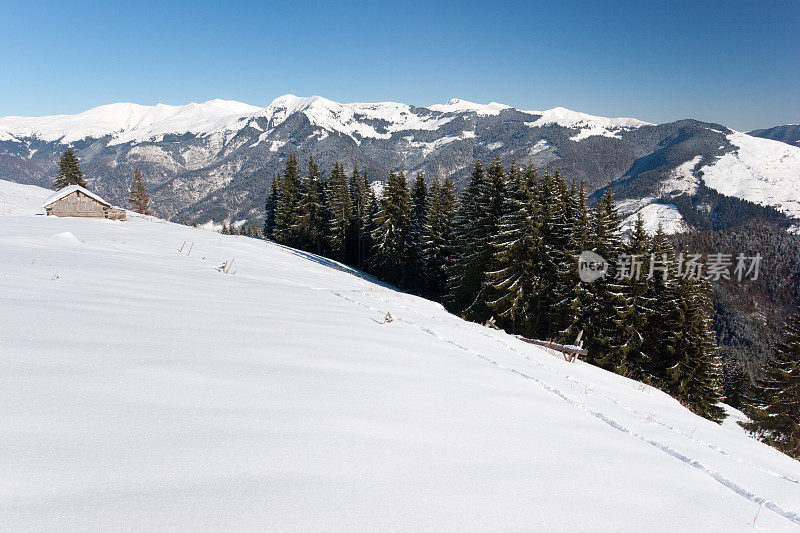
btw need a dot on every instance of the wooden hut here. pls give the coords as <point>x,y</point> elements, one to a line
<point>75,201</point>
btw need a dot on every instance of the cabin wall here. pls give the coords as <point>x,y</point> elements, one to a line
<point>77,204</point>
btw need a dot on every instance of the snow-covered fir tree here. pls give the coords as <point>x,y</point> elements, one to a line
<point>774,408</point>
<point>419,219</point>
<point>311,224</point>
<point>551,194</point>
<point>270,206</point>
<point>69,171</point>
<point>466,271</point>
<point>438,236</point>
<point>491,204</point>
<point>518,246</point>
<point>393,232</point>
<point>290,191</point>
<point>361,198</point>
<point>695,377</point>
<point>340,211</point>
<point>609,334</point>
<point>635,277</point>
<point>657,332</point>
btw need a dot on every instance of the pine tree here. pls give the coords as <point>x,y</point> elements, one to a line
<point>340,212</point>
<point>774,409</point>
<point>565,260</point>
<point>361,198</point>
<point>551,194</point>
<point>636,280</point>
<point>480,259</point>
<point>393,233</point>
<point>609,334</point>
<point>438,238</point>
<point>578,305</point>
<point>138,195</point>
<point>658,332</point>
<point>419,219</point>
<point>466,272</point>
<point>270,207</point>
<point>288,200</point>
<point>695,377</point>
<point>519,247</point>
<point>311,224</point>
<point>69,172</point>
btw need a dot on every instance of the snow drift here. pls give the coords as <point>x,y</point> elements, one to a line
<point>143,389</point>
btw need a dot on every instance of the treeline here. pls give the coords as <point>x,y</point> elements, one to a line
<point>506,249</point>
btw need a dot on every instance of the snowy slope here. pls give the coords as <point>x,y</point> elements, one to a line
<point>457,105</point>
<point>358,120</point>
<point>142,389</point>
<point>667,215</point>
<point>126,122</point>
<point>588,125</point>
<point>763,171</point>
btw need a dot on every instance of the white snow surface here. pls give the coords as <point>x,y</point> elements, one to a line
<point>349,118</point>
<point>143,389</point>
<point>682,179</point>
<point>588,125</point>
<point>763,171</point>
<point>654,214</point>
<point>457,105</point>
<point>126,122</point>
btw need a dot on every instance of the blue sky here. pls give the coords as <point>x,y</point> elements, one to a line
<point>733,62</point>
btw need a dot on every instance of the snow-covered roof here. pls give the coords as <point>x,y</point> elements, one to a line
<point>66,191</point>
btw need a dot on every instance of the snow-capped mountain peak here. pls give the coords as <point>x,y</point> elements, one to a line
<point>357,120</point>
<point>457,105</point>
<point>588,124</point>
<point>128,122</point>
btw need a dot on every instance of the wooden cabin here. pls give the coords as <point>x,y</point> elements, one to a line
<point>76,201</point>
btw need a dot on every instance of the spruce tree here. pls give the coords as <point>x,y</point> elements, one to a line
<point>577,307</point>
<point>269,207</point>
<point>658,332</point>
<point>695,378</point>
<point>438,238</point>
<point>774,408</point>
<point>466,273</point>
<point>288,201</point>
<point>419,219</point>
<point>138,197</point>
<point>311,224</point>
<point>518,248</point>
<point>609,334</point>
<point>69,172</point>
<point>565,260</point>
<point>361,198</point>
<point>636,281</point>
<point>480,260</point>
<point>340,211</point>
<point>393,233</point>
<point>551,194</point>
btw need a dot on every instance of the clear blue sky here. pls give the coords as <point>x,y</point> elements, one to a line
<point>733,62</point>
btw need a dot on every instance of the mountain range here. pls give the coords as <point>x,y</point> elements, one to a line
<point>213,161</point>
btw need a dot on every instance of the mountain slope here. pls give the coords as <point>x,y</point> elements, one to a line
<point>213,161</point>
<point>789,134</point>
<point>144,389</point>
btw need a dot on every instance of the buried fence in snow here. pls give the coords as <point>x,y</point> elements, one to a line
<point>570,352</point>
